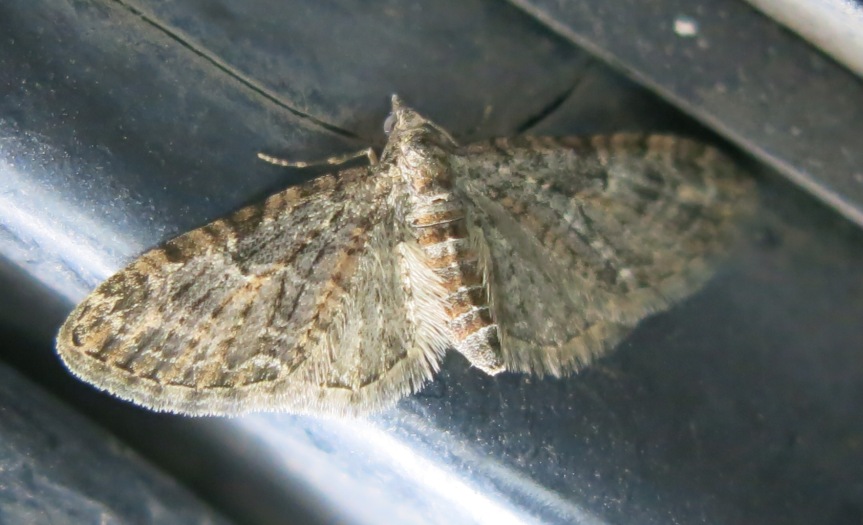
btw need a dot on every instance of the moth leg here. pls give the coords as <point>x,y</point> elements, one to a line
<point>332,161</point>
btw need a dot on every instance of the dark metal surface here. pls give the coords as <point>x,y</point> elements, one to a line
<point>741,74</point>
<point>122,124</point>
<point>56,467</point>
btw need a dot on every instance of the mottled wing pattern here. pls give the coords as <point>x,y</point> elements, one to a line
<point>588,236</point>
<point>280,306</point>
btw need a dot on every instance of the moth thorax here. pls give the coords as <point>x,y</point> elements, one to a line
<point>428,176</point>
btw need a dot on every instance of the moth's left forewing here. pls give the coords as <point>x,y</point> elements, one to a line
<point>588,236</point>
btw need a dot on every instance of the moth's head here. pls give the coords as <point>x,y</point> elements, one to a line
<point>413,136</point>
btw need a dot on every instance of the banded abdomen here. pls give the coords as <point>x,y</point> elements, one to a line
<point>439,224</point>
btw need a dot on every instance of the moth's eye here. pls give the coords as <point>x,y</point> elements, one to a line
<point>389,123</point>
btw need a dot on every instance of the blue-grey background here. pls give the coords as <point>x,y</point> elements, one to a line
<point>124,123</point>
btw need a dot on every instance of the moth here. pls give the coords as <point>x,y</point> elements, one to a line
<point>342,295</point>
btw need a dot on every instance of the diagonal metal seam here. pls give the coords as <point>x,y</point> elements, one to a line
<point>824,189</point>
<point>233,73</point>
